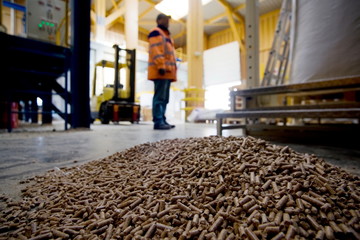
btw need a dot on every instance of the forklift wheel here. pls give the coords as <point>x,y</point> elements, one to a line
<point>103,114</point>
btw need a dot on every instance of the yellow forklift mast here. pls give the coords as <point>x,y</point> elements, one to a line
<point>115,103</point>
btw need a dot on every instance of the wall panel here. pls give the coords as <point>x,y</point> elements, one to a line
<point>267,26</point>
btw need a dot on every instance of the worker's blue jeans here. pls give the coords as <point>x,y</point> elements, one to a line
<point>160,100</point>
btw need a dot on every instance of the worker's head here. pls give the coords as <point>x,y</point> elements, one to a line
<point>163,19</point>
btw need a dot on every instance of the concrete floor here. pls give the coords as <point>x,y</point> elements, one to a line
<point>32,150</point>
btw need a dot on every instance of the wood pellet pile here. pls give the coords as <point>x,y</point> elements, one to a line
<point>195,188</point>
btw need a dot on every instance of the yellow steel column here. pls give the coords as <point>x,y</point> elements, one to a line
<point>131,32</point>
<point>195,42</point>
<point>12,20</point>
<point>2,27</point>
<point>131,23</point>
<point>206,42</point>
<point>100,9</point>
<point>194,94</point>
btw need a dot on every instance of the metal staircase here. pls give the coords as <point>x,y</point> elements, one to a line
<point>30,69</point>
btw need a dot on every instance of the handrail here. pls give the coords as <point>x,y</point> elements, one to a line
<point>297,87</point>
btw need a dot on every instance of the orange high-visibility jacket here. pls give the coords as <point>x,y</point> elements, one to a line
<point>161,55</point>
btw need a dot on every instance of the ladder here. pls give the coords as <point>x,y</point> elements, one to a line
<point>276,67</point>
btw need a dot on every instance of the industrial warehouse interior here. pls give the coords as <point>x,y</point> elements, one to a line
<point>265,108</point>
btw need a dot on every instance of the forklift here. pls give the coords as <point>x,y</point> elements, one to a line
<point>116,104</point>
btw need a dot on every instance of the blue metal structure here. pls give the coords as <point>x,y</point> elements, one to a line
<point>14,6</point>
<point>30,69</point>
<point>80,47</point>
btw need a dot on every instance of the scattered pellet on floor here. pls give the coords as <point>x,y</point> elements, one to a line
<point>196,188</point>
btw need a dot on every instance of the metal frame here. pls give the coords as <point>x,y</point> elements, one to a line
<point>131,63</point>
<point>15,6</point>
<point>36,75</point>
<point>347,110</point>
<point>80,47</point>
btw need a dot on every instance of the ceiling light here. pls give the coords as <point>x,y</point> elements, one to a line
<point>176,8</point>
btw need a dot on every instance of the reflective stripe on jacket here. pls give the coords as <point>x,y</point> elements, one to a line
<point>161,55</point>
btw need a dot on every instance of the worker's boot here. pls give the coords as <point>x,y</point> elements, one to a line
<point>162,127</point>
<point>172,126</point>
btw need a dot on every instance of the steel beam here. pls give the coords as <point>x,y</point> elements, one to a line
<point>228,6</point>
<point>115,6</point>
<point>114,16</point>
<point>234,28</point>
<point>145,12</point>
<point>80,47</point>
<point>252,43</point>
<point>14,6</point>
<point>100,9</point>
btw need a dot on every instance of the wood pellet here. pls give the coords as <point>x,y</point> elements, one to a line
<point>195,188</point>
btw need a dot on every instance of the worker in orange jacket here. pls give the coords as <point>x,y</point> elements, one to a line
<point>161,69</point>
